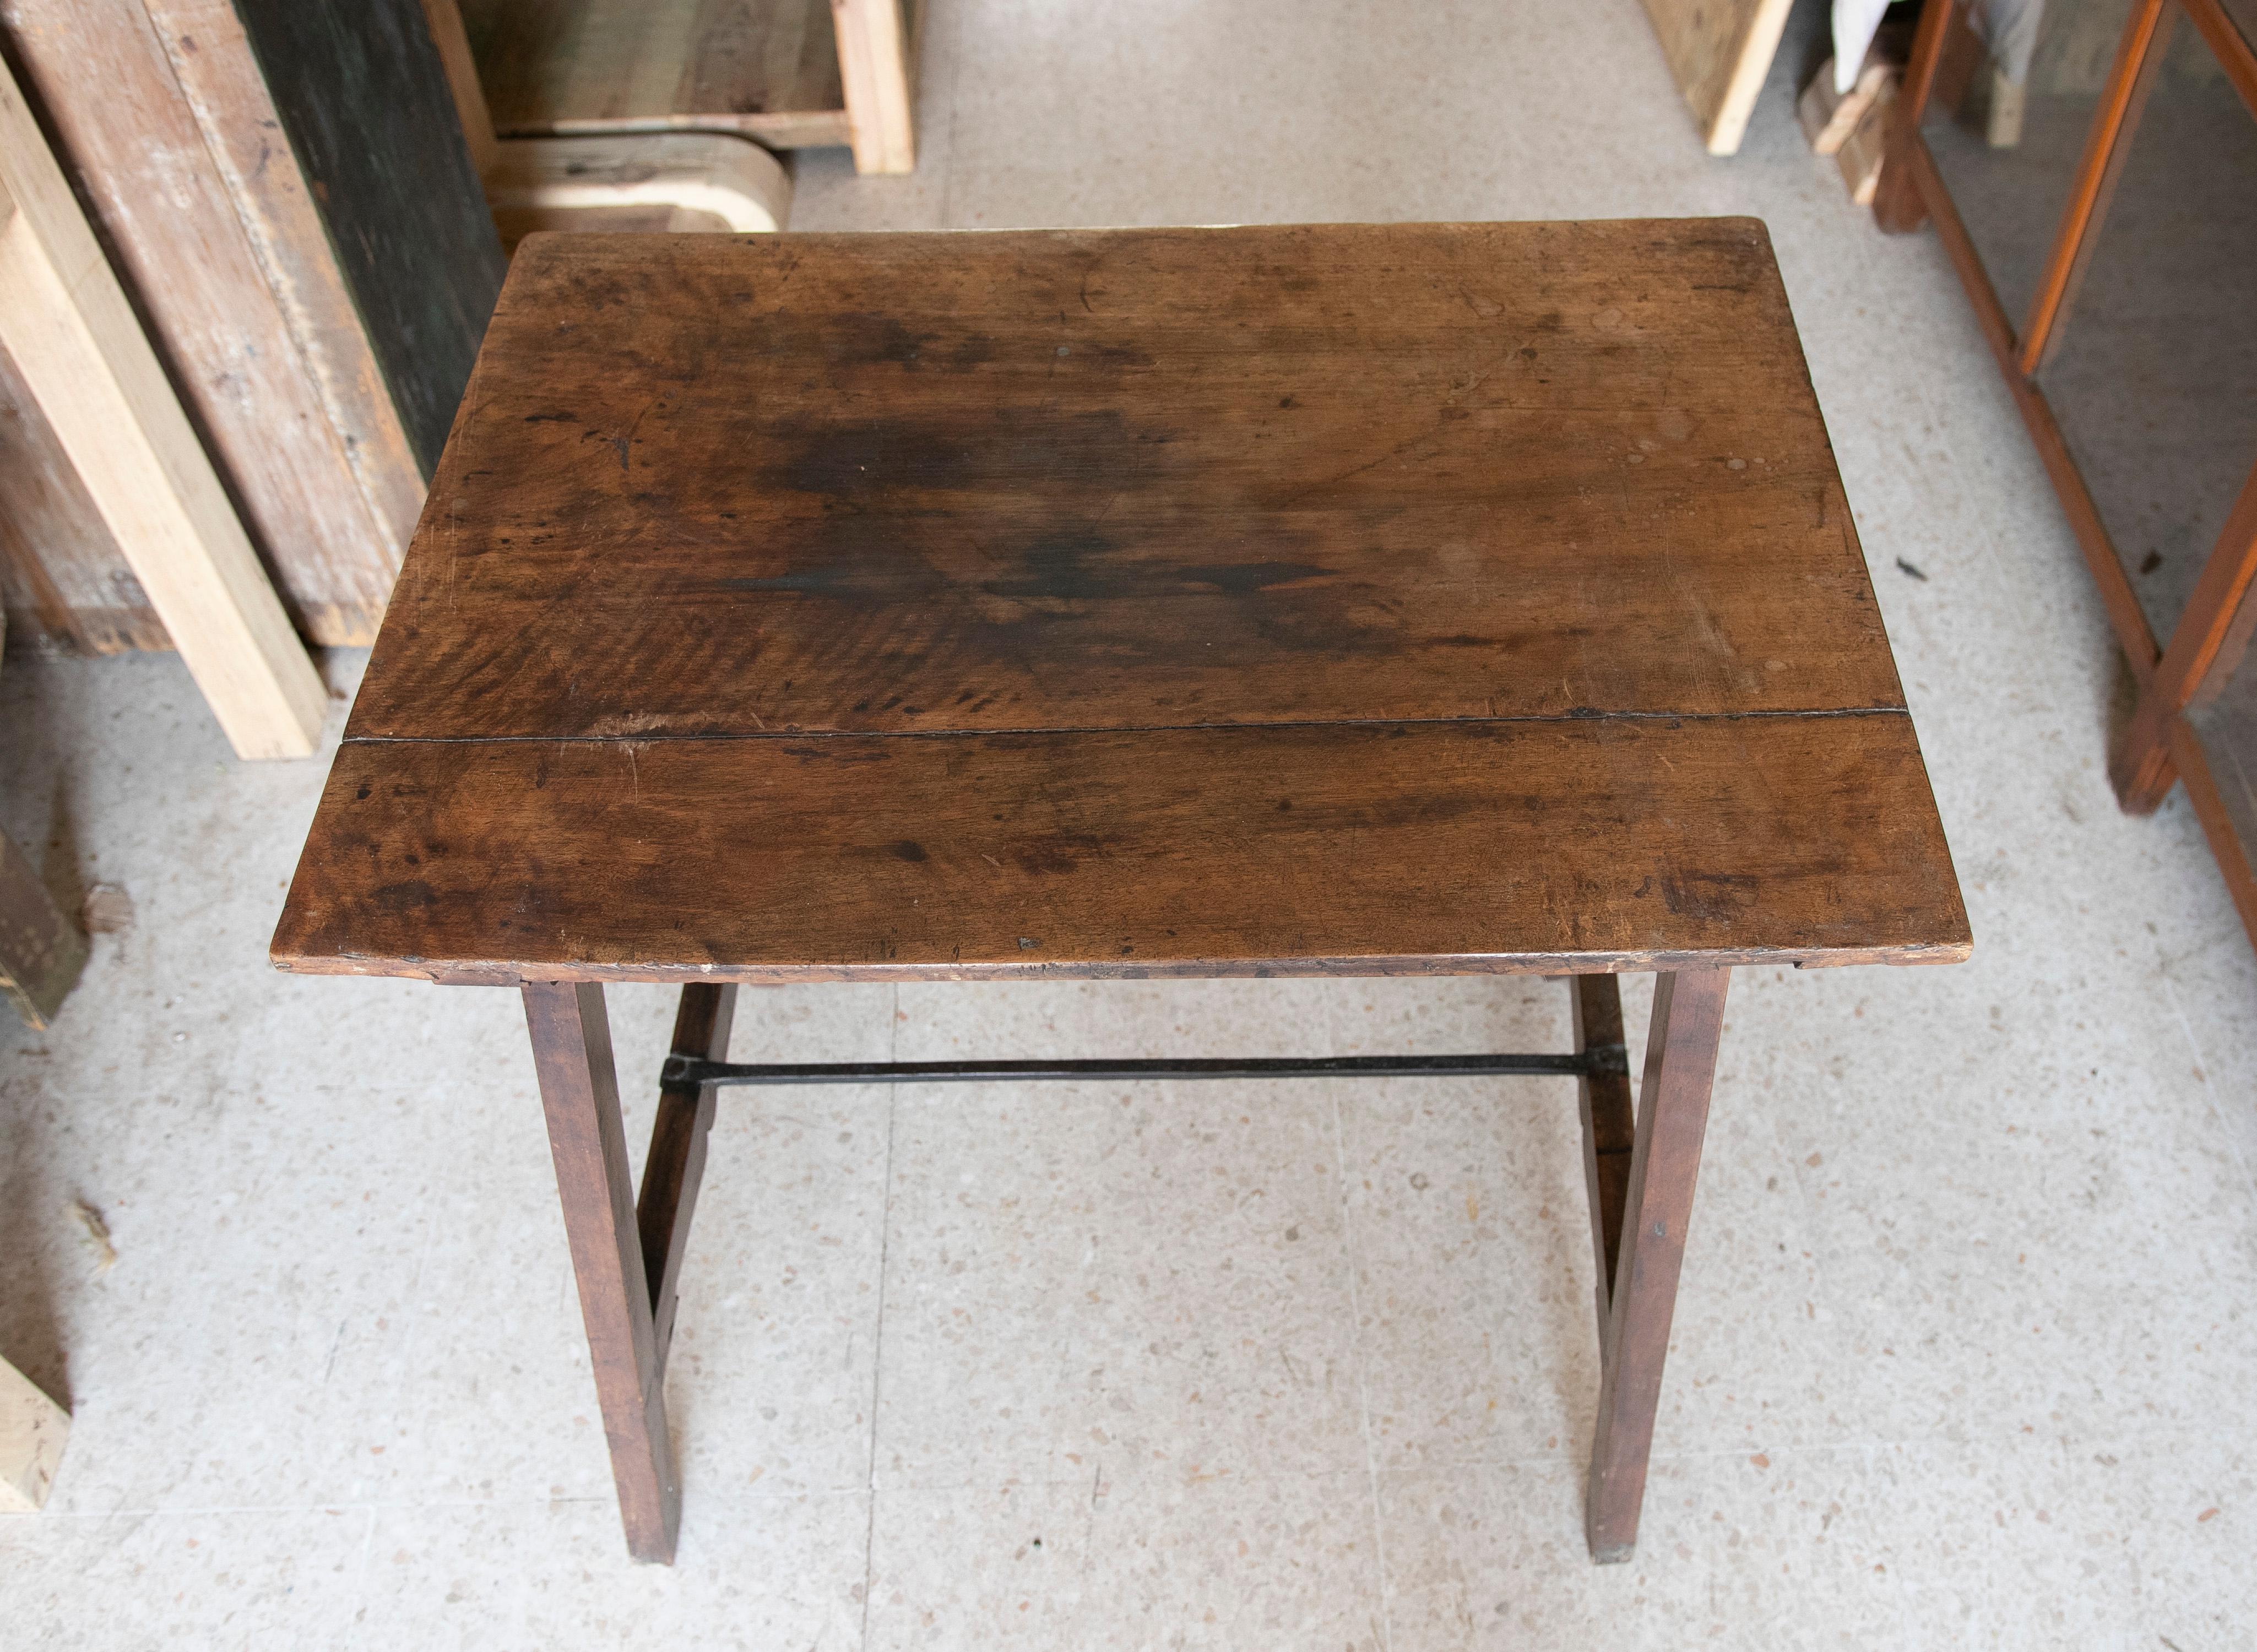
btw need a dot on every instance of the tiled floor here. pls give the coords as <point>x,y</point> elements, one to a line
<point>1963,1357</point>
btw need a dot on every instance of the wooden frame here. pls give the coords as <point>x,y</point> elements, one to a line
<point>75,341</point>
<point>2154,747</point>
<point>758,70</point>
<point>628,1244</point>
<point>706,178</point>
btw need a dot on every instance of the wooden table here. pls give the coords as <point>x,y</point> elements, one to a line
<point>1354,600</point>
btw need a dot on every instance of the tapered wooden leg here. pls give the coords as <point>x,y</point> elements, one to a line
<point>580,1092</point>
<point>676,1161</point>
<point>1681,1061</point>
<point>1609,1127</point>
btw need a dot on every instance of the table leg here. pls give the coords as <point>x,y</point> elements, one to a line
<point>676,1163</point>
<point>1610,1131</point>
<point>1681,1061</point>
<point>580,1093</point>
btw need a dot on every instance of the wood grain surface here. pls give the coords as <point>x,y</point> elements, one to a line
<point>1619,842</point>
<point>1426,597</point>
<point>1025,481</point>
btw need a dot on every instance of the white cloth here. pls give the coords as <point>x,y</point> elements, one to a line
<point>2008,27</point>
<point>1855,22</point>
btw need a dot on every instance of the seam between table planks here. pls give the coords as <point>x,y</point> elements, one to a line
<point>1574,718</point>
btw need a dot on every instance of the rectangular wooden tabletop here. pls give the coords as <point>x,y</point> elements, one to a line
<point>1333,599</point>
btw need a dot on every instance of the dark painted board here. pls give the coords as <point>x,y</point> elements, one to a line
<point>889,483</point>
<point>364,98</point>
<point>1312,849</point>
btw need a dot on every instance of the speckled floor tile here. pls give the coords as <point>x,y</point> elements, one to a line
<point>2015,1544</point>
<point>1226,1562</point>
<point>758,1573</point>
<point>146,1582</point>
<point>1145,1280</point>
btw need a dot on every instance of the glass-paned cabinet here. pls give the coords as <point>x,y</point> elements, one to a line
<point>2091,164</point>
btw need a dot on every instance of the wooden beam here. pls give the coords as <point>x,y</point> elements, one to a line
<point>1681,1062</point>
<point>676,1163</point>
<point>1910,158</point>
<point>445,18</point>
<point>580,1093</point>
<point>1899,207</point>
<point>1718,50</point>
<point>874,69</point>
<point>79,347</point>
<point>2217,613</point>
<point>1609,1130</point>
<point>33,1430</point>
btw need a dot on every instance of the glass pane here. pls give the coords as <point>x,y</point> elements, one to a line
<point>2244,16</point>
<point>2015,91</point>
<point>2227,729</point>
<point>2154,372</point>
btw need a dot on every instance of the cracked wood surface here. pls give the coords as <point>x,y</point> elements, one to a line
<point>1338,598</point>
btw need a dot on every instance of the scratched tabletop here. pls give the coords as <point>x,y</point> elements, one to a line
<point>1337,599</point>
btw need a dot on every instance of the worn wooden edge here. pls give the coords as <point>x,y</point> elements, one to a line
<point>479,972</point>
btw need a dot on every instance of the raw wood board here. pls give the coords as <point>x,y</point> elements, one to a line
<point>1719,51</point>
<point>64,579</point>
<point>82,354</point>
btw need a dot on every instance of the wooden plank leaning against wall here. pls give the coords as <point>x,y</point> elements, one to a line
<point>1719,51</point>
<point>81,352</point>
<point>100,71</point>
<point>317,302</point>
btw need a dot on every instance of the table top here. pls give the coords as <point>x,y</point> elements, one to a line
<point>1344,599</point>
